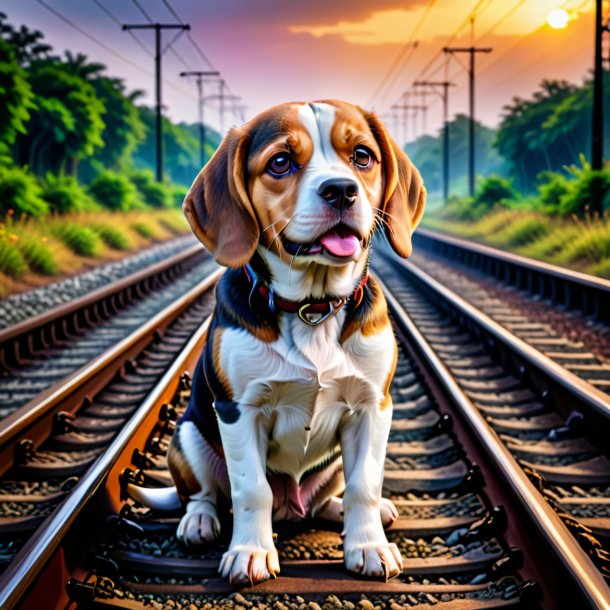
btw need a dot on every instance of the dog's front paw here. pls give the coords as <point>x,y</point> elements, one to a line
<point>244,564</point>
<point>376,560</point>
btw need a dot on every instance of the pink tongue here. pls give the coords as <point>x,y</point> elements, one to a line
<point>340,246</point>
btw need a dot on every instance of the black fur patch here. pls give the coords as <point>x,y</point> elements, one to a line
<point>228,412</point>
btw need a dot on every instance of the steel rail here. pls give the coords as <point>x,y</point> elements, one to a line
<point>13,427</point>
<point>31,559</point>
<point>580,567</point>
<point>585,392</point>
<point>29,325</point>
<point>547,269</point>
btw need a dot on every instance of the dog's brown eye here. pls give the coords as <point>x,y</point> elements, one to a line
<point>280,165</point>
<point>362,157</point>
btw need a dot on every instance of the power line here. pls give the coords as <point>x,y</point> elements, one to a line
<point>137,40</point>
<point>409,44</point>
<point>92,38</point>
<point>473,13</point>
<point>168,47</point>
<point>118,22</point>
<point>203,56</point>
<point>522,38</point>
<point>200,52</point>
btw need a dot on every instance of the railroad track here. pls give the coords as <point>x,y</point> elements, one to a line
<point>562,313</point>
<point>474,530</point>
<point>141,322</point>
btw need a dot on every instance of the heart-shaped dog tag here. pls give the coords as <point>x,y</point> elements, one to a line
<point>315,318</point>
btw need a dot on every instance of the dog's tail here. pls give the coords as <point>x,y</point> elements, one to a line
<point>162,499</point>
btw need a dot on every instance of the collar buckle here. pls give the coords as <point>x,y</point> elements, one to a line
<point>312,318</point>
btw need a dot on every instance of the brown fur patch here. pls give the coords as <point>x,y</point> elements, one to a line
<point>371,317</point>
<point>186,483</point>
<point>387,399</point>
<point>219,371</point>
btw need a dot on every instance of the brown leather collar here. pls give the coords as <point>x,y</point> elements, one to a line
<point>311,311</point>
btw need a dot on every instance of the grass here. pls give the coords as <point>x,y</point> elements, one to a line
<point>113,237</point>
<point>81,240</point>
<point>12,262</point>
<point>34,249</point>
<point>144,230</point>
<point>581,244</point>
<point>38,256</point>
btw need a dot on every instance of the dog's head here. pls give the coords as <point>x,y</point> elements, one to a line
<point>310,182</point>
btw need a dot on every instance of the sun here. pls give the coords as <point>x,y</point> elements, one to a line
<point>558,19</point>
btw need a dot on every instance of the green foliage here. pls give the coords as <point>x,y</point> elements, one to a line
<point>39,258</point>
<point>178,195</point>
<point>552,188</point>
<point>426,153</point>
<point>587,189</point>
<point>113,237</point>
<point>67,124</point>
<point>144,230</point>
<point>20,193</point>
<point>16,98</point>
<point>81,240</point>
<point>494,190</point>
<point>11,260</point>
<point>522,139</point>
<point>521,231</point>
<point>64,194</point>
<point>181,145</point>
<point>155,194</point>
<point>114,192</point>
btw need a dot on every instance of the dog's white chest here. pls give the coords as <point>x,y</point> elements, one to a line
<point>304,384</point>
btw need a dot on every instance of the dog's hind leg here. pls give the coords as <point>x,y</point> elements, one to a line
<point>198,472</point>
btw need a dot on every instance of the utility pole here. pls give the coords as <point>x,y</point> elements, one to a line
<point>200,76</point>
<point>405,108</point>
<point>222,97</point>
<point>471,139</point>
<point>158,27</point>
<point>445,95</point>
<point>597,140</point>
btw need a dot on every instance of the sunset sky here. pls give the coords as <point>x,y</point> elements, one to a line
<point>271,51</point>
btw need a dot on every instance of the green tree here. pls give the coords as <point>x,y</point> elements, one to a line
<point>123,130</point>
<point>67,124</point>
<point>427,154</point>
<point>27,44</point>
<point>524,139</point>
<point>16,99</point>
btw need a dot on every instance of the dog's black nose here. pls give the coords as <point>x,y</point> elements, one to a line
<point>339,193</point>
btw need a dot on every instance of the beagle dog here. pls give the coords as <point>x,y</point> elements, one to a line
<point>290,408</point>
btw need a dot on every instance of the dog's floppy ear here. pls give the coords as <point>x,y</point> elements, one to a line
<point>404,193</point>
<point>218,207</point>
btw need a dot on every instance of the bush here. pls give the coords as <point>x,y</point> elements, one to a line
<point>20,193</point>
<point>494,190</point>
<point>11,260</point>
<point>522,231</point>
<point>553,187</point>
<point>589,186</point>
<point>178,194</point>
<point>113,237</point>
<point>39,258</point>
<point>144,230</point>
<point>81,240</point>
<point>64,194</point>
<point>115,192</point>
<point>155,194</point>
